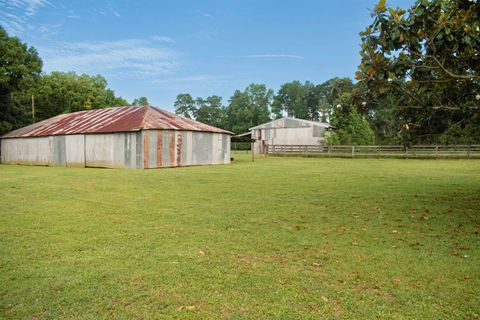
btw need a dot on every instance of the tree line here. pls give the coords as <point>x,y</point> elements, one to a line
<point>256,104</point>
<point>418,82</point>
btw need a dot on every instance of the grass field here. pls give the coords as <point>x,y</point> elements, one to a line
<point>284,238</point>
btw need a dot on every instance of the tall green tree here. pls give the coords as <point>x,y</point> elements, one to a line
<point>298,100</point>
<point>249,108</point>
<point>350,126</point>
<point>185,105</point>
<point>210,111</point>
<point>328,95</point>
<point>20,67</point>
<point>429,57</point>
<point>291,101</point>
<point>142,101</point>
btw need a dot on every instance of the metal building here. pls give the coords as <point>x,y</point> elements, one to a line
<point>288,131</point>
<point>122,137</point>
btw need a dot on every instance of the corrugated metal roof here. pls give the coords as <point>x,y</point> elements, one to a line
<point>118,119</point>
<point>272,124</point>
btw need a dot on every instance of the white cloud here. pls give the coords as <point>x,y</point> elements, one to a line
<point>30,7</point>
<point>206,35</point>
<point>115,12</point>
<point>15,14</point>
<point>210,78</point>
<point>132,57</point>
<point>206,14</point>
<point>163,39</point>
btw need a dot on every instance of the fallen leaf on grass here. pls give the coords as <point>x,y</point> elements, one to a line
<point>185,308</point>
<point>377,286</point>
<point>201,253</point>
<point>467,277</point>
<point>396,280</point>
<point>324,298</point>
<point>453,252</point>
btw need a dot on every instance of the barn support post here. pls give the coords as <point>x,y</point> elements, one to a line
<point>252,151</point>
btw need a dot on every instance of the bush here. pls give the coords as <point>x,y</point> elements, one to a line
<point>355,131</point>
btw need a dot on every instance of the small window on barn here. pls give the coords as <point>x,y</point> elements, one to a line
<point>318,131</point>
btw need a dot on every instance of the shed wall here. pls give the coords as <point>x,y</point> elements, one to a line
<point>171,148</point>
<point>26,151</point>
<point>142,149</point>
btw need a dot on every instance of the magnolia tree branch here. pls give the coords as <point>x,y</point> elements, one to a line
<point>451,74</point>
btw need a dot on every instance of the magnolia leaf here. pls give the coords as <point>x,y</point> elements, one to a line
<point>380,6</point>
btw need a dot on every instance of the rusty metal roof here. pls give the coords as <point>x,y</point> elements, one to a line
<point>108,120</point>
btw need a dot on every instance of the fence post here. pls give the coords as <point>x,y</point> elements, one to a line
<point>379,151</point>
<point>329,154</point>
<point>468,152</point>
<point>436,151</point>
<point>406,152</point>
<point>353,152</point>
<point>306,151</point>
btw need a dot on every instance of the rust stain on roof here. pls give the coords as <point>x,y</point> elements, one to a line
<point>109,120</point>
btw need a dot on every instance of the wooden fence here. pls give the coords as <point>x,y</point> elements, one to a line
<point>394,151</point>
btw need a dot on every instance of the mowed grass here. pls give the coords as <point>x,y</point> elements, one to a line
<point>281,238</point>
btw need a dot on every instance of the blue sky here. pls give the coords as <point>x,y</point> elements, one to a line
<point>159,49</point>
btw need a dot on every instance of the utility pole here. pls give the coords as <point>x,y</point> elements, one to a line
<point>33,108</point>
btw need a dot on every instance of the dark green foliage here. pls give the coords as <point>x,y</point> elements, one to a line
<point>185,105</point>
<point>64,92</point>
<point>350,127</point>
<point>210,111</point>
<point>249,108</point>
<point>245,110</point>
<point>142,101</point>
<point>329,93</point>
<point>428,59</point>
<point>291,100</point>
<point>20,67</point>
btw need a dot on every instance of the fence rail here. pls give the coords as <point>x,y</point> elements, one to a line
<point>394,151</point>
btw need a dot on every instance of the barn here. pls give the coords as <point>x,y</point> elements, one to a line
<point>122,137</point>
<point>288,131</point>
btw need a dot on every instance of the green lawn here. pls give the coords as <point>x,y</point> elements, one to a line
<point>283,238</point>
